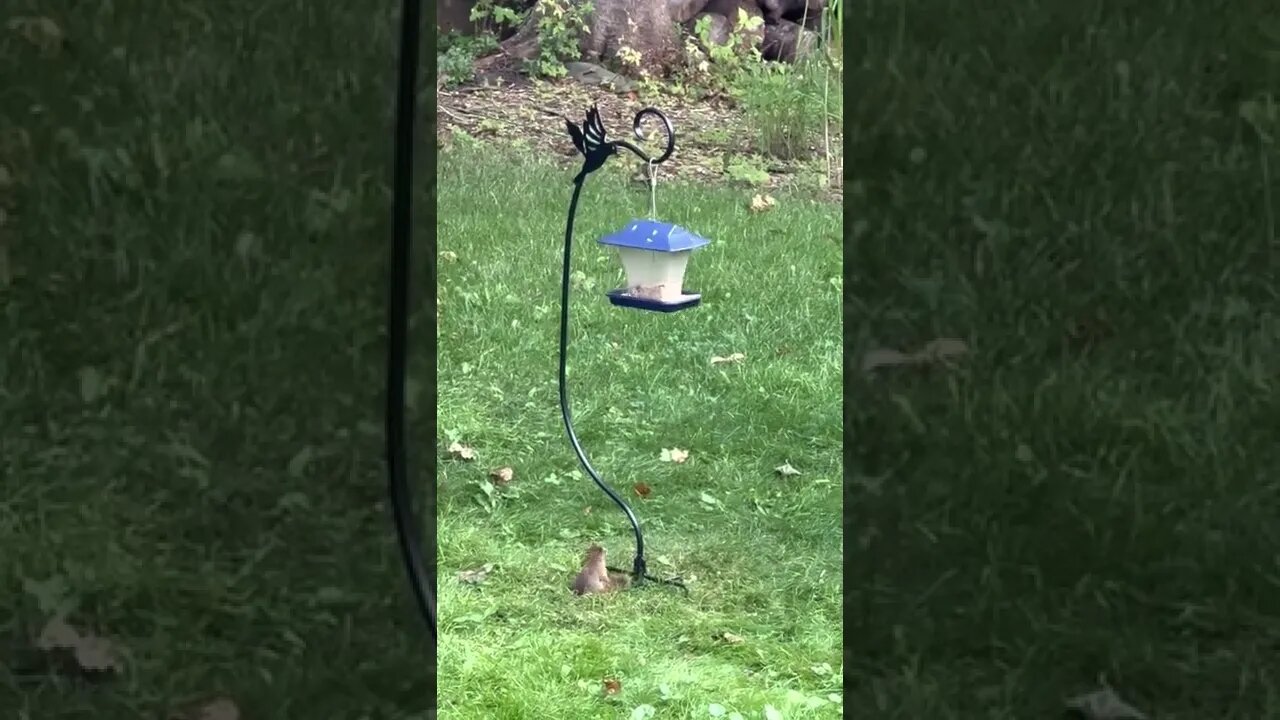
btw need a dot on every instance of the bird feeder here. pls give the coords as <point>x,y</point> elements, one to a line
<point>654,256</point>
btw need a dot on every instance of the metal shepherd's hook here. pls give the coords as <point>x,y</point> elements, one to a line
<point>590,140</point>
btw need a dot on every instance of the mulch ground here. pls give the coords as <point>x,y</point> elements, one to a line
<point>506,107</point>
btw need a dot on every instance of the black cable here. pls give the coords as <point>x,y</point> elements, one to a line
<point>401,497</point>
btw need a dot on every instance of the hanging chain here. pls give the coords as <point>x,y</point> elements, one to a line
<point>653,190</point>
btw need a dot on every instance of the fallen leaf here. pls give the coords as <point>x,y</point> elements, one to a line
<point>731,638</point>
<point>883,357</point>
<point>934,352</point>
<point>502,476</point>
<point>93,386</point>
<point>297,466</point>
<point>475,576</point>
<point>675,455</point>
<point>42,32</point>
<point>91,653</point>
<point>448,256</point>
<point>219,708</point>
<point>708,499</point>
<point>612,686</point>
<point>762,203</point>
<point>735,357</point>
<point>96,654</point>
<point>458,451</point>
<point>642,490</point>
<point>944,349</point>
<point>1103,704</point>
<point>785,470</point>
<point>57,635</point>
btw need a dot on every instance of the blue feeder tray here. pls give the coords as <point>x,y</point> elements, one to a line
<point>620,298</point>
<point>640,237</point>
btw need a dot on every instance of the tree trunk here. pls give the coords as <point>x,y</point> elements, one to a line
<point>455,16</point>
<point>685,10</point>
<point>646,26</point>
<point>786,41</point>
<point>724,16</point>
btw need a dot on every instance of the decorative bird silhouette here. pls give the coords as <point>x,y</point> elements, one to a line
<point>590,141</point>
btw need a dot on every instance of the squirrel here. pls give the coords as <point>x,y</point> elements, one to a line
<point>595,577</point>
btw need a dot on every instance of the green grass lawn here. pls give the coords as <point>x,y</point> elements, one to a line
<point>191,360</point>
<point>762,553</point>
<point>196,227</point>
<point>1092,493</point>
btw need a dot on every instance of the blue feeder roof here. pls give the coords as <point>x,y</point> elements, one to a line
<point>655,236</point>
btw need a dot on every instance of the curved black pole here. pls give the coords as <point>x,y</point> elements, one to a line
<point>401,497</point>
<point>638,564</point>
<point>590,141</point>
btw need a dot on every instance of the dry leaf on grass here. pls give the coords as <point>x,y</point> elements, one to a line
<point>1103,704</point>
<point>675,455</point>
<point>502,476</point>
<point>935,351</point>
<point>42,32</point>
<point>944,349</point>
<point>90,653</point>
<point>762,203</point>
<point>786,470</point>
<point>458,451</point>
<point>475,576</point>
<point>57,635</point>
<point>735,357</point>
<point>642,490</point>
<point>219,708</point>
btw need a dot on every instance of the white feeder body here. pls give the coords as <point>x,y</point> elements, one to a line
<point>655,275</point>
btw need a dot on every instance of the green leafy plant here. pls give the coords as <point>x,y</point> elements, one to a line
<point>826,61</point>
<point>493,18</point>
<point>784,103</point>
<point>714,65</point>
<point>746,170</point>
<point>456,61</point>
<point>833,27</point>
<point>560,25</point>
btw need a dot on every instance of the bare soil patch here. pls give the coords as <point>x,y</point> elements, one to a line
<point>506,107</point>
